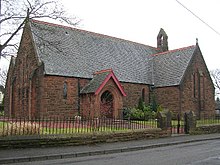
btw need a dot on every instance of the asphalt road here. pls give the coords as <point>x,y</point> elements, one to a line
<point>195,153</point>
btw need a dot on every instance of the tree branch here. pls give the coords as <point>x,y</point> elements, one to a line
<point>14,18</point>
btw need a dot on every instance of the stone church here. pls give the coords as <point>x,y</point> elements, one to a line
<point>62,71</point>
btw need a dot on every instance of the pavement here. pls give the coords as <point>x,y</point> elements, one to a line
<point>38,154</point>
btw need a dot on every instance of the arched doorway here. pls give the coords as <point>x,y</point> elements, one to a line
<point>106,105</point>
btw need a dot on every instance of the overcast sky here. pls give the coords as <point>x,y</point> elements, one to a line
<point>141,20</point>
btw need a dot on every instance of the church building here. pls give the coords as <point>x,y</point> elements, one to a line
<point>62,71</point>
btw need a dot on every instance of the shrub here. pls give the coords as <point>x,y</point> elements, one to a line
<point>136,114</point>
<point>1,113</point>
<point>142,111</point>
<point>126,113</point>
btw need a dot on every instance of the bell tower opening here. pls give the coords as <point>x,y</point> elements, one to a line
<point>162,40</point>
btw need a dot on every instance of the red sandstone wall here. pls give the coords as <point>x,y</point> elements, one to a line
<point>53,102</point>
<point>202,102</point>
<point>134,92</point>
<point>168,98</point>
<point>25,64</point>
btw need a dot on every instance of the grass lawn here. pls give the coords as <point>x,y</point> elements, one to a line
<point>200,122</point>
<point>208,122</point>
<point>175,122</point>
<point>151,123</point>
<point>8,128</point>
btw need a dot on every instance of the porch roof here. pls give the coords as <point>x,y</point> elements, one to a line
<point>99,80</point>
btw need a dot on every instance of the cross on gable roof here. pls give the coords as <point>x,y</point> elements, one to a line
<point>99,81</point>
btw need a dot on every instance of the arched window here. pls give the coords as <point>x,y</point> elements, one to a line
<point>143,95</point>
<point>194,85</point>
<point>106,97</point>
<point>65,90</point>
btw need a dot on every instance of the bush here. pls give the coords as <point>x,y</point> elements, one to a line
<point>126,113</point>
<point>142,111</point>
<point>1,113</point>
<point>136,114</point>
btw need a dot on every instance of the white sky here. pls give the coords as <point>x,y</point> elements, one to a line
<point>141,20</point>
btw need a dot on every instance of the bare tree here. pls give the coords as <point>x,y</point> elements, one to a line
<point>215,74</point>
<point>13,15</point>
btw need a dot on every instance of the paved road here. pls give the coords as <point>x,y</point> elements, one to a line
<point>195,153</point>
<point>49,153</point>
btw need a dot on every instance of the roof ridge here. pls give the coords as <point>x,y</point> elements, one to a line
<point>174,50</point>
<point>103,71</point>
<point>94,33</point>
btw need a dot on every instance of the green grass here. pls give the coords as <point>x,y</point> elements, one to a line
<point>151,123</point>
<point>135,124</point>
<point>199,122</point>
<point>175,122</point>
<point>19,130</point>
<point>207,122</point>
<point>1,124</point>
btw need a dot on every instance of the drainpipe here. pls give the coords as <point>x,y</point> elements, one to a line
<point>199,94</point>
<point>78,106</point>
<point>152,94</point>
<point>29,99</point>
<point>180,100</point>
<point>10,100</point>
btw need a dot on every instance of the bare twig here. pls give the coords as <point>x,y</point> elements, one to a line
<point>13,17</point>
<point>215,74</point>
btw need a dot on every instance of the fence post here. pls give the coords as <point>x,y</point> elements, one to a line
<point>164,120</point>
<point>178,123</point>
<point>190,121</point>
<point>186,123</point>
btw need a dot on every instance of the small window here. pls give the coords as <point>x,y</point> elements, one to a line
<point>65,90</point>
<point>194,85</point>
<point>143,95</point>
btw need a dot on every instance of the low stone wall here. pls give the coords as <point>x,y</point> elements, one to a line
<point>206,129</point>
<point>65,140</point>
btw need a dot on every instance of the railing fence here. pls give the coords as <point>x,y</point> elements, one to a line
<point>49,126</point>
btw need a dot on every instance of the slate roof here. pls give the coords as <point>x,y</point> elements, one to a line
<point>169,67</point>
<point>72,52</point>
<point>67,51</point>
<point>95,83</point>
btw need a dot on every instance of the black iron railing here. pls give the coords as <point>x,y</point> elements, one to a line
<point>50,126</point>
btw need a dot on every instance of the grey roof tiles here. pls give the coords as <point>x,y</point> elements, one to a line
<point>94,84</point>
<point>72,52</point>
<point>169,67</point>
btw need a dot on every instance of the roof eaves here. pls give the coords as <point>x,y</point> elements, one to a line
<point>184,73</point>
<point>111,75</point>
<point>174,50</point>
<point>34,44</point>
